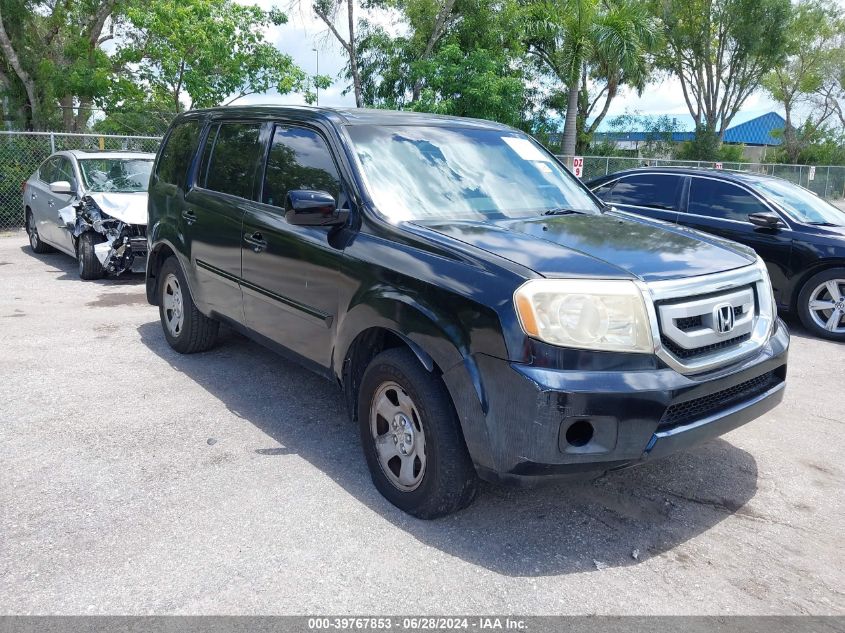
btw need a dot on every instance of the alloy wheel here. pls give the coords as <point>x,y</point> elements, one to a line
<point>827,305</point>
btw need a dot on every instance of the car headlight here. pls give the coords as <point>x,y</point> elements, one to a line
<point>764,271</point>
<point>598,314</point>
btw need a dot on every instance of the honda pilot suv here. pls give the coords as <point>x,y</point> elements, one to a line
<point>483,313</point>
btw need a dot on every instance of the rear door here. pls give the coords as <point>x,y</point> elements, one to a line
<point>722,208</point>
<point>225,188</point>
<point>652,195</point>
<point>290,273</point>
<point>38,195</point>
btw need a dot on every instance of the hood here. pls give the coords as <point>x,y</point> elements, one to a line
<point>130,208</point>
<point>608,245</point>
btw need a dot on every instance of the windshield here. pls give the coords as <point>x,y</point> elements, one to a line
<point>461,173</point>
<point>122,175</point>
<point>802,205</point>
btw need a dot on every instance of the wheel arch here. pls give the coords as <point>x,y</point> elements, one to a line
<point>818,267</point>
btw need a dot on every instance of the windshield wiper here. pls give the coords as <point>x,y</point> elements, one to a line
<point>560,211</point>
<point>822,223</point>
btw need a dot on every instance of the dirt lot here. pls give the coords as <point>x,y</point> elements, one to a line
<point>136,480</point>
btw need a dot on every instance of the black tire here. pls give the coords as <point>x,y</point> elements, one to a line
<point>448,481</point>
<point>197,332</point>
<point>35,242</point>
<point>89,266</point>
<point>810,318</point>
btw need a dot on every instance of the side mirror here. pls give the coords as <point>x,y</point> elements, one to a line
<point>61,186</point>
<point>313,208</point>
<point>765,219</point>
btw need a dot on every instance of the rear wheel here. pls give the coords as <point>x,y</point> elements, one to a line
<point>186,329</point>
<point>89,266</point>
<point>821,304</point>
<point>35,242</point>
<point>412,439</point>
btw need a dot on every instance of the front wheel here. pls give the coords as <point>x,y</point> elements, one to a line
<point>89,265</point>
<point>186,329</point>
<point>821,304</point>
<point>412,439</point>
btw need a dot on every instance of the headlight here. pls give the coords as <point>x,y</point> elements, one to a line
<point>764,271</point>
<point>599,314</point>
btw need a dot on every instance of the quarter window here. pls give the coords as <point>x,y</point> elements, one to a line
<point>175,157</point>
<point>298,159</point>
<point>655,191</point>
<point>724,200</point>
<point>233,159</point>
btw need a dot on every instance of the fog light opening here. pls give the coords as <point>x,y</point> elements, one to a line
<point>579,433</point>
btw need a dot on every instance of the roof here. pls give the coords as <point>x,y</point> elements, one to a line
<point>352,116</point>
<point>722,174</point>
<point>757,131</point>
<point>85,153</point>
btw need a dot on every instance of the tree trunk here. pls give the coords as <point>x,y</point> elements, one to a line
<point>570,127</point>
<point>353,58</point>
<point>34,115</point>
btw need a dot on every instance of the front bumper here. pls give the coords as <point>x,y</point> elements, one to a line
<point>541,422</point>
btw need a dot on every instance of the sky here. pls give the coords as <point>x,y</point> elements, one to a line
<point>304,32</point>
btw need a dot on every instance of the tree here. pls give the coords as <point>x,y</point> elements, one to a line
<point>461,57</point>
<point>207,51</point>
<point>329,11</point>
<point>813,33</point>
<point>606,43</point>
<point>719,50</point>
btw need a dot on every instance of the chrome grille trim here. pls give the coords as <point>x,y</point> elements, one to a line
<point>687,291</point>
<point>707,333</point>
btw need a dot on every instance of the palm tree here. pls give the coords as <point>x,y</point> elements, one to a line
<point>609,40</point>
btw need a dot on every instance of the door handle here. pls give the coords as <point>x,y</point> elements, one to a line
<point>50,203</point>
<point>189,216</point>
<point>256,241</point>
<point>33,196</point>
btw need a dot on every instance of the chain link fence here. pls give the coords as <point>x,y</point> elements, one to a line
<point>827,181</point>
<point>22,152</point>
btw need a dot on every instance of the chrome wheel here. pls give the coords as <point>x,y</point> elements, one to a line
<point>396,429</point>
<point>171,299</point>
<point>827,305</point>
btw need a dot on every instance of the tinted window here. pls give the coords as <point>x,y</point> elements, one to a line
<point>721,200</point>
<point>658,191</point>
<point>231,166</point>
<point>175,157</point>
<point>603,191</point>
<point>298,159</point>
<point>206,154</point>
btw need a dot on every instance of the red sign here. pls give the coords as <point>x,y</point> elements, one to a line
<point>578,166</point>
<point>718,165</point>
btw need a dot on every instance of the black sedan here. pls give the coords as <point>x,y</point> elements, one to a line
<point>800,236</point>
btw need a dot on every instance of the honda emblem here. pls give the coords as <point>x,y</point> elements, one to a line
<point>723,318</point>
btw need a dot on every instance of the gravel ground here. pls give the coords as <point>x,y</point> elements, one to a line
<point>135,480</point>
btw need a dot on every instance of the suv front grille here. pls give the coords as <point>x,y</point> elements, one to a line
<point>691,327</point>
<point>686,412</point>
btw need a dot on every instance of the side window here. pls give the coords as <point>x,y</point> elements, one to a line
<point>298,159</point>
<point>604,191</point>
<point>47,170</point>
<point>202,174</point>
<point>718,199</point>
<point>175,156</point>
<point>656,191</point>
<point>233,159</point>
<point>64,171</point>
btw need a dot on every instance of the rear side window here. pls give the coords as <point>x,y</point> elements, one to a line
<point>175,156</point>
<point>724,200</point>
<point>298,159</point>
<point>233,159</point>
<point>655,191</point>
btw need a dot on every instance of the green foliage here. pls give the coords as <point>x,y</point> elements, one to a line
<point>658,133</point>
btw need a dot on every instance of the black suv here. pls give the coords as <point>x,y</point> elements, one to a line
<point>800,236</point>
<point>480,310</point>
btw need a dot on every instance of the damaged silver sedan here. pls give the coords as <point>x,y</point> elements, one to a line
<point>93,206</point>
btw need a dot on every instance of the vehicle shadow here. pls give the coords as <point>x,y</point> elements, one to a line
<point>619,519</point>
<point>68,267</point>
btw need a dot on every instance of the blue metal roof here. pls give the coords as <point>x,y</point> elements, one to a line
<point>757,131</point>
<point>753,132</point>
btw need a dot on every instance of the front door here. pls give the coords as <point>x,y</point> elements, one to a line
<point>290,272</point>
<point>58,232</point>
<point>722,208</point>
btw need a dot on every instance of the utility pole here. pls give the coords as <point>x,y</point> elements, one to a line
<point>317,53</point>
